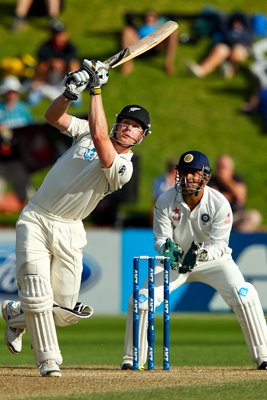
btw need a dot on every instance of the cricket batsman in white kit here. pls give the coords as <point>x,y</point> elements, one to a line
<point>192,225</point>
<point>50,234</point>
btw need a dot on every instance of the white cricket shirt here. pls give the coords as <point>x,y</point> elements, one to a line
<point>210,222</point>
<point>77,182</point>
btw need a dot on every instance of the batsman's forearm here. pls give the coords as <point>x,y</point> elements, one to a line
<point>56,113</point>
<point>97,118</point>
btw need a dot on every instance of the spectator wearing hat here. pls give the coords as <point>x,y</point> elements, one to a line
<point>55,58</point>
<point>13,114</point>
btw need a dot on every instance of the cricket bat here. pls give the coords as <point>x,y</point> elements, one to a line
<point>142,45</point>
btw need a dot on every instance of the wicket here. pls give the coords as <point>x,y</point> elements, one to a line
<point>151,312</point>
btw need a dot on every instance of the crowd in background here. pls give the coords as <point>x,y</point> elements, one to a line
<point>236,40</point>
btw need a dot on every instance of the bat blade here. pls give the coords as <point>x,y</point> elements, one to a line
<point>142,45</point>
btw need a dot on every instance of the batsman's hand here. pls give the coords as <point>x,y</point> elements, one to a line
<point>98,73</point>
<point>194,254</point>
<point>172,250</point>
<point>75,83</point>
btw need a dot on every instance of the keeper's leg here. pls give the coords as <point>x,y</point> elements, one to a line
<point>248,310</point>
<point>127,361</point>
<point>36,298</point>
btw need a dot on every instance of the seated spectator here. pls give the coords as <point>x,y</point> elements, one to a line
<point>55,58</point>
<point>234,188</point>
<point>257,103</point>
<point>23,7</point>
<point>230,48</point>
<point>132,33</point>
<point>162,183</point>
<point>166,181</point>
<point>13,114</point>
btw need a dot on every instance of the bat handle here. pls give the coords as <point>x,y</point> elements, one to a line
<point>118,58</point>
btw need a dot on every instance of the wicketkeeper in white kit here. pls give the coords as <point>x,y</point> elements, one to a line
<point>192,225</point>
<point>50,234</point>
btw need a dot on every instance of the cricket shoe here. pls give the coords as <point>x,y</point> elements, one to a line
<point>13,336</point>
<point>263,365</point>
<point>50,368</point>
<point>126,366</point>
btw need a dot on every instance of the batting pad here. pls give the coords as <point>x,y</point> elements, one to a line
<point>36,298</point>
<point>248,310</point>
<point>16,319</point>
<point>64,316</point>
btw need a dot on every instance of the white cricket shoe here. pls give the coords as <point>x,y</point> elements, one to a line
<point>49,368</point>
<point>13,336</point>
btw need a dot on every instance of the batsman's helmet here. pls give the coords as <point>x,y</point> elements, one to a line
<point>194,159</point>
<point>138,114</point>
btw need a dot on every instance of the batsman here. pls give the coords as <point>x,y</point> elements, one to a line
<point>192,225</point>
<point>50,234</point>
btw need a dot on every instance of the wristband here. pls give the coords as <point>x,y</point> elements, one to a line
<point>95,91</point>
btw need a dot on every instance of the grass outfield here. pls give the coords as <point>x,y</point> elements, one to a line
<point>209,360</point>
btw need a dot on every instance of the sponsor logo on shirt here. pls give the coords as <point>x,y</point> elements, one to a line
<point>122,169</point>
<point>228,218</point>
<point>176,214</point>
<point>205,218</point>
<point>89,154</point>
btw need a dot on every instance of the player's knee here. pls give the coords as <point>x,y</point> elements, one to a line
<point>243,295</point>
<point>143,300</point>
<point>35,293</point>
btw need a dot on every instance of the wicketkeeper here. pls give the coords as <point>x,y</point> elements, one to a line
<point>192,225</point>
<point>49,234</point>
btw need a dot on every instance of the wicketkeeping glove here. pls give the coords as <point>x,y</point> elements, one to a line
<point>175,252</point>
<point>194,254</point>
<point>75,83</point>
<point>98,73</point>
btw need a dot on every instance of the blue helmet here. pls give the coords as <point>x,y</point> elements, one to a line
<point>194,159</point>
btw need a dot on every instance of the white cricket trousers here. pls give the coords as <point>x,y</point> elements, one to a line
<point>52,248</point>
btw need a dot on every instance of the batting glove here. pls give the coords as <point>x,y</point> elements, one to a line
<point>174,251</point>
<point>98,73</point>
<point>75,83</point>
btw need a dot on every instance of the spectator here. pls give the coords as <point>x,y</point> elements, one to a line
<point>166,181</point>
<point>257,102</point>
<point>23,8</point>
<point>132,33</point>
<point>234,188</point>
<point>13,114</point>
<point>231,48</point>
<point>55,58</point>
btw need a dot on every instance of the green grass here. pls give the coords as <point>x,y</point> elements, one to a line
<point>196,340</point>
<point>186,112</point>
<point>229,391</point>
